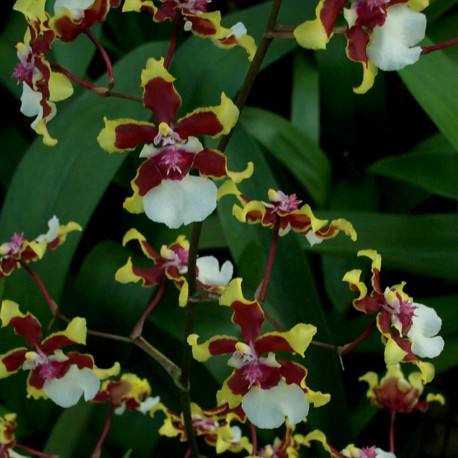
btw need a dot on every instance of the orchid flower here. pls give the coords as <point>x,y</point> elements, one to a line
<point>268,389</point>
<point>197,21</point>
<point>214,425</point>
<point>285,210</point>
<point>71,17</point>
<point>41,87</point>
<point>63,378</point>
<point>380,33</point>
<point>409,329</point>
<point>172,263</point>
<point>21,250</point>
<point>163,188</point>
<point>396,393</point>
<point>128,393</point>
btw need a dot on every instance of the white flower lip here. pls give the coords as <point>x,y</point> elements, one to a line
<point>267,409</point>
<point>67,390</point>
<point>180,202</point>
<point>210,273</point>
<point>425,325</point>
<point>393,44</point>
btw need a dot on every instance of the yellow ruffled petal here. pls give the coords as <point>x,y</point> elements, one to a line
<point>155,69</point>
<point>312,34</point>
<point>372,380</point>
<point>237,177</point>
<point>369,74</point>
<point>394,354</point>
<point>137,5</point>
<point>9,311</point>
<point>225,395</point>
<point>60,87</point>
<point>112,371</point>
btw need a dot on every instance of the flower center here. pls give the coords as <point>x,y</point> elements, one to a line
<point>284,202</point>
<point>193,6</point>
<point>371,13</point>
<point>166,135</point>
<point>204,424</point>
<point>176,257</point>
<point>368,452</point>
<point>401,311</point>
<point>14,246</point>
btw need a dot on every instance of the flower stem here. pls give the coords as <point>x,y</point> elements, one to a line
<point>106,59</point>
<point>445,44</point>
<point>187,351</point>
<point>99,90</point>
<point>270,262</point>
<point>138,328</point>
<point>254,67</point>
<point>392,418</point>
<point>98,447</point>
<point>52,305</point>
<point>254,439</point>
<point>173,40</point>
<point>34,452</point>
<point>348,347</point>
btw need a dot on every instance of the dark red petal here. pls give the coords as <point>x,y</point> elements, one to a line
<point>148,177</point>
<point>329,13</point>
<point>200,25</point>
<point>222,346</point>
<point>292,372</point>
<point>130,135</point>
<point>162,99</point>
<point>151,276</point>
<point>166,11</point>
<point>249,317</point>
<point>28,327</point>
<point>211,163</point>
<point>199,123</point>
<point>273,343</point>
<point>14,360</point>
<point>237,383</point>
<point>358,40</point>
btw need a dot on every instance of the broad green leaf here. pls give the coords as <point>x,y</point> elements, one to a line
<point>434,84</point>
<point>69,179</point>
<point>305,97</point>
<point>298,153</point>
<point>66,437</point>
<point>291,296</point>
<point>423,244</point>
<point>438,8</point>
<point>433,167</point>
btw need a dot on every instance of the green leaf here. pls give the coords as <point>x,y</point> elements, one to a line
<point>66,436</point>
<point>433,167</point>
<point>434,84</point>
<point>294,150</point>
<point>423,244</point>
<point>305,98</point>
<point>69,179</point>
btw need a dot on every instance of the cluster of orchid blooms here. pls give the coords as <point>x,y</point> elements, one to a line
<point>174,185</point>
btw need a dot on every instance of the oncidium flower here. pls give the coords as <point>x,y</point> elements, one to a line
<point>164,188</point>
<point>286,211</point>
<point>41,87</point>
<point>268,389</point>
<point>215,425</point>
<point>409,329</point>
<point>21,250</point>
<point>128,393</point>
<point>172,263</point>
<point>71,17</point>
<point>397,394</point>
<point>349,451</point>
<point>7,439</point>
<point>197,21</point>
<point>62,377</point>
<point>380,33</point>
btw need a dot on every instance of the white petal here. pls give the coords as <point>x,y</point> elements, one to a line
<point>30,105</point>
<point>175,203</point>
<point>210,273</point>
<point>382,454</point>
<point>67,391</point>
<point>425,325</point>
<point>390,48</point>
<point>267,409</point>
<point>72,5</point>
<point>312,238</point>
<point>51,235</point>
<point>148,404</point>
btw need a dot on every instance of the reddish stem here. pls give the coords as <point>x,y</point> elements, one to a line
<point>173,40</point>
<point>52,305</point>
<point>254,439</point>
<point>270,262</point>
<point>445,44</point>
<point>392,418</point>
<point>188,453</point>
<point>348,347</point>
<point>138,328</point>
<point>106,59</point>
<point>98,447</point>
<point>34,452</point>
<point>99,90</point>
